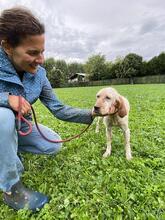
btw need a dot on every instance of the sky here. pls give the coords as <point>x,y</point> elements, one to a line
<point>78,29</point>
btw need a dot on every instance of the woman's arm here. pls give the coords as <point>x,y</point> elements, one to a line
<point>61,111</point>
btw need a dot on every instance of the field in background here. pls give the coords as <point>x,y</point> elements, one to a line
<point>83,185</point>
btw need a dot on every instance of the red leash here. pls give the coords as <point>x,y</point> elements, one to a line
<point>21,118</point>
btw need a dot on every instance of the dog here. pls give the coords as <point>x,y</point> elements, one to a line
<point>115,111</point>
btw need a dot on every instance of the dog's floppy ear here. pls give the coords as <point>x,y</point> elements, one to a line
<point>120,105</point>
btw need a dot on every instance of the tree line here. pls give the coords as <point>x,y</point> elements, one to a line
<point>98,68</point>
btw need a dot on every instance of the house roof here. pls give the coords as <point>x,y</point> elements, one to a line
<point>77,74</point>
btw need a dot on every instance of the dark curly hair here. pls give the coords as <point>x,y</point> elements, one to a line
<point>18,23</point>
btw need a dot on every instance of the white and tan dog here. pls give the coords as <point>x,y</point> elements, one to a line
<point>115,109</point>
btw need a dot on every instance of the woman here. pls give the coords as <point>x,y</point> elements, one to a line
<point>22,38</point>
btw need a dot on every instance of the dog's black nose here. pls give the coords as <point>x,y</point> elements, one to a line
<point>96,109</point>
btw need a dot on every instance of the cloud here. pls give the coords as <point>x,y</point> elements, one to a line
<point>77,29</point>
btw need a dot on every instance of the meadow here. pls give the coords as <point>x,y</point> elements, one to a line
<point>85,186</point>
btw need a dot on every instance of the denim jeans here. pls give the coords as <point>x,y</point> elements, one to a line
<point>11,143</point>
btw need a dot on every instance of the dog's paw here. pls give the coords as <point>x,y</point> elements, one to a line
<point>106,154</point>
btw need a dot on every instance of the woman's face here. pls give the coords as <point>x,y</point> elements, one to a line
<point>29,54</point>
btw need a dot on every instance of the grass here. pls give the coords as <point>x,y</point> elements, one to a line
<point>83,185</point>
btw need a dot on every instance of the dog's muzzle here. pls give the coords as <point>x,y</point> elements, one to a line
<point>96,109</point>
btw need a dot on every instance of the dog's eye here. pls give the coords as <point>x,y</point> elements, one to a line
<point>97,96</point>
<point>107,97</point>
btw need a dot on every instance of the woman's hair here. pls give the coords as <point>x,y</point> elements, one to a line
<point>18,23</point>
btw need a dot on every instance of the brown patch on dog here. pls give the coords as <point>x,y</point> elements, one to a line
<point>120,105</point>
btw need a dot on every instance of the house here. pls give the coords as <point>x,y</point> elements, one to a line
<point>78,77</point>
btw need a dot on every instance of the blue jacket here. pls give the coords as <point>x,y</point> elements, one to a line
<point>34,86</point>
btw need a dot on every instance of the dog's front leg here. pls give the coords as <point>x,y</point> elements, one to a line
<point>109,140</point>
<point>97,124</point>
<point>126,132</point>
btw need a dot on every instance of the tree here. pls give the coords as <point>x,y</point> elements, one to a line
<point>62,66</point>
<point>75,68</point>
<point>130,66</point>
<point>49,64</point>
<point>56,71</point>
<point>95,67</point>
<point>156,65</point>
<point>56,77</point>
<point>152,66</point>
<point>161,63</point>
<point>110,71</point>
<point>118,68</point>
<point>144,68</point>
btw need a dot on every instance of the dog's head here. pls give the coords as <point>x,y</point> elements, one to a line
<point>108,102</point>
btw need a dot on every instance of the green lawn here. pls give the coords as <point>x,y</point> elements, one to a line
<point>83,185</point>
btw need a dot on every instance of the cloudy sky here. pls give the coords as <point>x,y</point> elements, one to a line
<point>77,29</point>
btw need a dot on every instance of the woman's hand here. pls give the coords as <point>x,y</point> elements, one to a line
<point>14,104</point>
